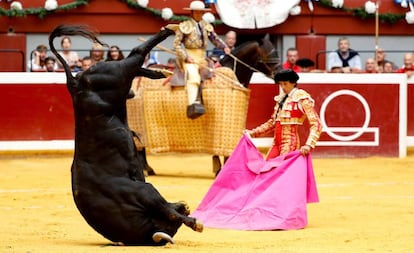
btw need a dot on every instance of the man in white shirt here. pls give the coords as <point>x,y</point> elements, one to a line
<point>345,57</point>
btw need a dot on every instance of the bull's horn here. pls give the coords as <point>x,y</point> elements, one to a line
<point>158,236</point>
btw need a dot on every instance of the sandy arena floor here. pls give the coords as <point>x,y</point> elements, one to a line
<point>367,205</point>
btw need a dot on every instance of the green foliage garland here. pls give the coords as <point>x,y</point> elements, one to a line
<point>361,13</point>
<point>133,4</point>
<point>41,12</point>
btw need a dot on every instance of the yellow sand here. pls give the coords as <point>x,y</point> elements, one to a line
<point>367,205</point>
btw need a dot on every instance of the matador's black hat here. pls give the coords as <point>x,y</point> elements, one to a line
<point>286,75</point>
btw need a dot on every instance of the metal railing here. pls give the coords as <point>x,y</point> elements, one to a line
<point>163,56</point>
<point>80,51</point>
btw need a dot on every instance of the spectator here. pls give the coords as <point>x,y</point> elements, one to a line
<point>214,61</point>
<point>151,59</point>
<point>408,67</point>
<point>96,53</point>
<point>370,66</point>
<point>114,54</point>
<point>344,56</point>
<point>292,56</point>
<point>171,64</point>
<point>38,63</point>
<point>86,63</point>
<point>305,65</point>
<point>71,57</point>
<point>336,69</point>
<point>388,67</point>
<point>50,64</point>
<point>230,39</point>
<point>381,60</point>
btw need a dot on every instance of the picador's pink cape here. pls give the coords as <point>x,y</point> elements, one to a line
<point>251,193</point>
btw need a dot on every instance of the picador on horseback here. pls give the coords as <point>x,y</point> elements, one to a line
<point>194,34</point>
<point>158,112</point>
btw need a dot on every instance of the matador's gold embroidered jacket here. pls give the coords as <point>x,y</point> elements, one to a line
<point>189,35</point>
<point>298,106</point>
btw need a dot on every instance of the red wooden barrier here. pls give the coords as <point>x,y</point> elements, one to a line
<point>363,114</point>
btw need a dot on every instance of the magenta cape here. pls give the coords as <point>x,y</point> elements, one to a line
<point>251,193</point>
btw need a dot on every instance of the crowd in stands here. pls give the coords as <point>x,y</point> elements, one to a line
<point>42,62</point>
<point>346,60</point>
<point>342,60</point>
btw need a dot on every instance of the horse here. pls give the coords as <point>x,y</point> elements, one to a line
<point>108,182</point>
<point>157,111</point>
<point>253,56</point>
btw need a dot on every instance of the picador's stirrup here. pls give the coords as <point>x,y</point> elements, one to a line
<point>197,109</point>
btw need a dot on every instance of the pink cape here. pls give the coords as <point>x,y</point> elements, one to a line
<point>251,193</point>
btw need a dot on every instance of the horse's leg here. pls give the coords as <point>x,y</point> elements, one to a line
<point>225,158</point>
<point>216,159</point>
<point>216,164</point>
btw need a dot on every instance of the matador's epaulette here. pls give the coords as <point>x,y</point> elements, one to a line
<point>186,27</point>
<point>300,94</point>
<point>279,97</point>
<point>207,26</point>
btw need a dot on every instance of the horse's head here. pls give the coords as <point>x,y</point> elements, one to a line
<point>269,61</point>
<point>253,56</point>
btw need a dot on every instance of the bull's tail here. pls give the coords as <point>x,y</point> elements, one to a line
<point>71,30</point>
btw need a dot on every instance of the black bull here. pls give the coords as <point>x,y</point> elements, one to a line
<point>108,182</point>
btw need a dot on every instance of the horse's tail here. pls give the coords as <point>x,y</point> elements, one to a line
<point>71,30</point>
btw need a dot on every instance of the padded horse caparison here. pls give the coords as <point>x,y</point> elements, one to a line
<point>108,182</point>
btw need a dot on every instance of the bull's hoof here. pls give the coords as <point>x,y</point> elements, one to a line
<point>198,226</point>
<point>158,236</point>
<point>150,171</point>
<point>131,94</point>
<point>185,208</point>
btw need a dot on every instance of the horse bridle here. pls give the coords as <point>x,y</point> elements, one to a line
<point>265,60</point>
<point>242,62</point>
<point>269,59</point>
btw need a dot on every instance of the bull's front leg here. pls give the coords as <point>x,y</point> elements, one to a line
<point>195,224</point>
<point>165,212</point>
<point>181,207</point>
<point>178,212</point>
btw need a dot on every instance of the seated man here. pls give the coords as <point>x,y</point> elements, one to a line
<point>370,66</point>
<point>344,56</point>
<point>230,39</point>
<point>408,66</point>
